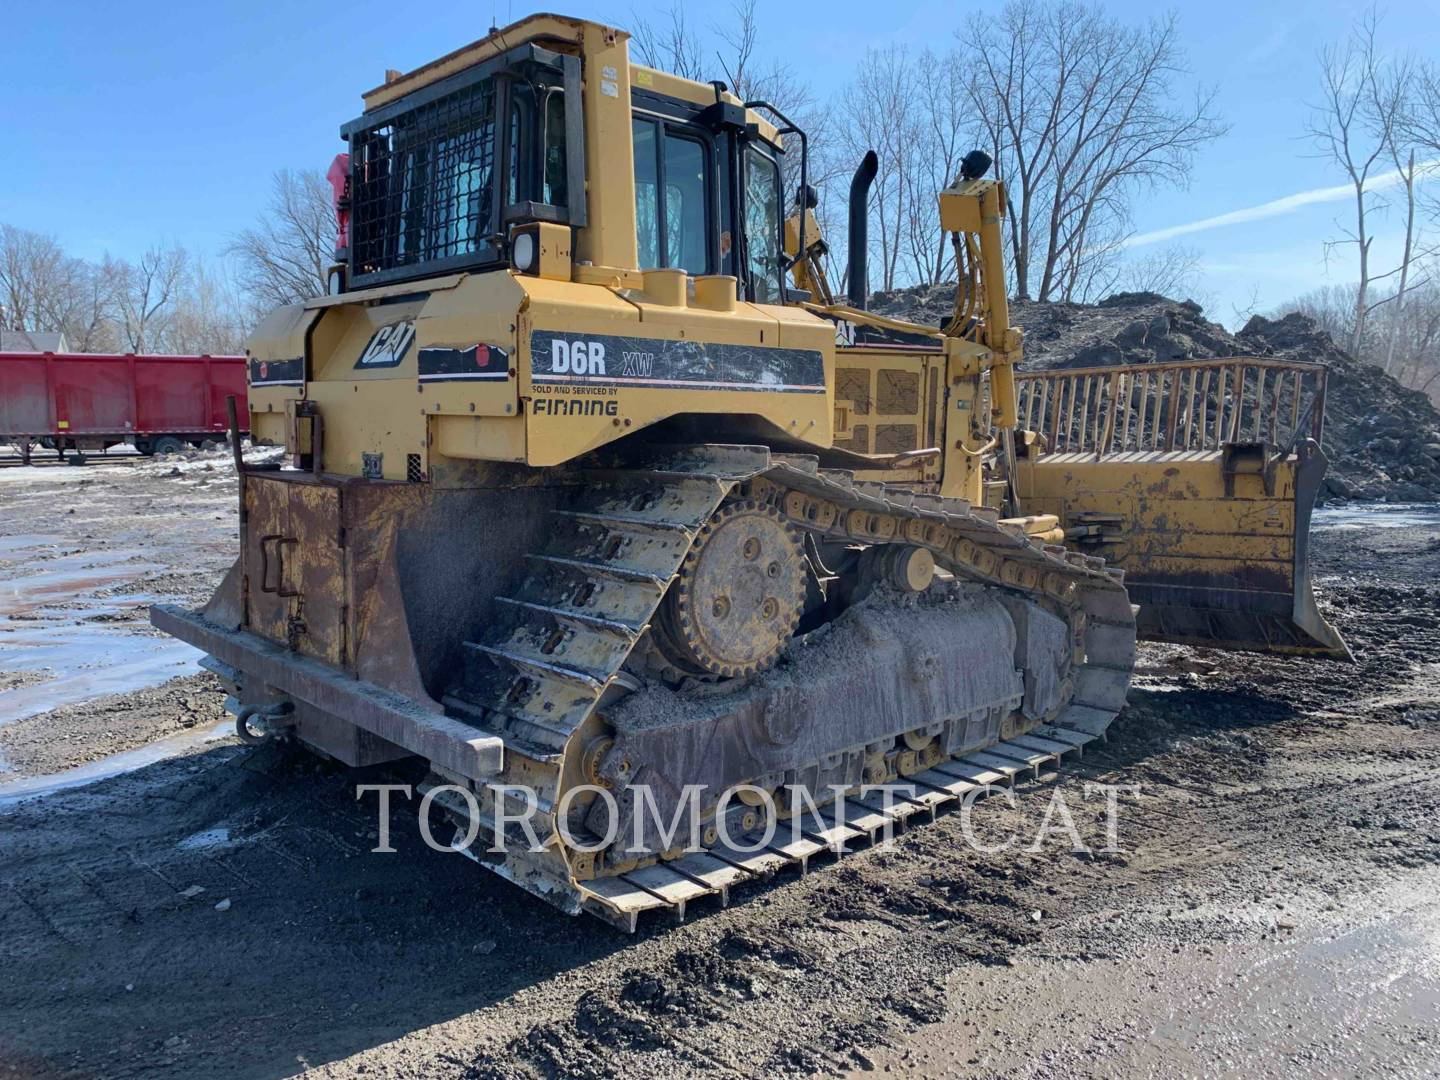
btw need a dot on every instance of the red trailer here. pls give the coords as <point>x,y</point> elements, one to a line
<point>93,401</point>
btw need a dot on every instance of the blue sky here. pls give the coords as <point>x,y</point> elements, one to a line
<point>131,122</point>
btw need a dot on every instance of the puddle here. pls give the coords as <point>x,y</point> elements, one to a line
<point>27,542</point>
<point>69,577</point>
<point>52,623</point>
<point>85,662</point>
<point>34,787</point>
<point>213,839</point>
<point>1376,516</point>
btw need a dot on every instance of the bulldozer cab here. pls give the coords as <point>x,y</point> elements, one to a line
<point>450,165</point>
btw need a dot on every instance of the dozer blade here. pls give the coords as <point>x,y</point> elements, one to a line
<point>1197,478</point>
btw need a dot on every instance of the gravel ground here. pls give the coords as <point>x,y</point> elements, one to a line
<point>1270,909</point>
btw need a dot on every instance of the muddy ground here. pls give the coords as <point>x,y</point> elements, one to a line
<point>219,913</point>
<point>84,552</point>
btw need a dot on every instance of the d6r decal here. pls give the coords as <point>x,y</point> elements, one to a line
<point>610,360</point>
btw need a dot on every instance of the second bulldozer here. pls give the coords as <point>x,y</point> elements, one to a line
<point>593,488</point>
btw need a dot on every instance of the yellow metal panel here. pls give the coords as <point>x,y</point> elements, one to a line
<point>697,93</point>
<point>345,331</point>
<point>554,29</point>
<point>369,416</point>
<point>746,325</point>
<point>279,337</point>
<point>481,438</point>
<point>609,238</point>
<point>267,428</point>
<point>482,310</point>
<point>960,211</point>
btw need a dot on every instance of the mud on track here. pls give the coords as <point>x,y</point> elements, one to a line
<point>1273,908</point>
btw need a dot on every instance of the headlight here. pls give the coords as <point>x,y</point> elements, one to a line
<point>523,251</point>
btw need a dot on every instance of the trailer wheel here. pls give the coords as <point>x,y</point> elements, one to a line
<point>144,446</point>
<point>168,444</point>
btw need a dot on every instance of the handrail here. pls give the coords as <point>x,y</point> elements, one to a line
<point>1167,365</point>
<point>1174,405</point>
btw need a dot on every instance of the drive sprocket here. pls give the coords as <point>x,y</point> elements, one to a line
<point>738,596</point>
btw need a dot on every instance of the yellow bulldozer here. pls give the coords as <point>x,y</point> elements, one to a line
<point>593,487</point>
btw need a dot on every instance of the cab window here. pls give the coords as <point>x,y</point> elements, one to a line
<point>557,188</point>
<point>764,263</point>
<point>672,206</point>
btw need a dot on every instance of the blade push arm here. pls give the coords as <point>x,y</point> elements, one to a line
<point>971,210</point>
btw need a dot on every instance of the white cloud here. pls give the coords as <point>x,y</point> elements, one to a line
<point>1425,170</point>
<point>1281,33</point>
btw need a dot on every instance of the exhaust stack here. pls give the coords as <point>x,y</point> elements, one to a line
<point>859,285</point>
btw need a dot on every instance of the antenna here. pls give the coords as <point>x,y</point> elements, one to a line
<point>726,68</point>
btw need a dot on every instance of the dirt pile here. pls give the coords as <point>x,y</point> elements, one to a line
<point>1383,440</point>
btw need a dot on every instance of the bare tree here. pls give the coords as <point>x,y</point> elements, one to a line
<point>43,288</point>
<point>1173,271</point>
<point>207,316</point>
<point>1422,124</point>
<point>146,290</point>
<point>1080,112</point>
<point>728,50</point>
<point>1358,126</point>
<point>283,259</point>
<point>880,114</point>
<point>1409,334</point>
<point>1243,313</point>
<point>1416,338</point>
<point>939,137</point>
<point>164,302</point>
<point>85,309</point>
<point>668,44</point>
<point>1332,307</point>
<point>32,270</point>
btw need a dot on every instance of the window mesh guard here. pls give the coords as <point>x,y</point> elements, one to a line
<point>422,186</point>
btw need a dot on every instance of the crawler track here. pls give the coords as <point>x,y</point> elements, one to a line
<point>543,679</point>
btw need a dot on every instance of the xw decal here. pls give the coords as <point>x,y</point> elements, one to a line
<point>389,345</point>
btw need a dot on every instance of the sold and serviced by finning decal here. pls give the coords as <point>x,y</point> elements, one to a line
<point>575,406</point>
<point>560,400</point>
<point>612,360</point>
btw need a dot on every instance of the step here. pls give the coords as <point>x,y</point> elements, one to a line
<point>602,569</point>
<point>533,664</point>
<point>628,521</point>
<point>579,619</point>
